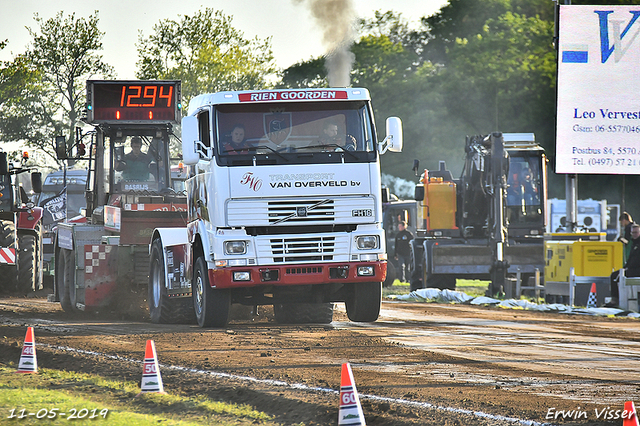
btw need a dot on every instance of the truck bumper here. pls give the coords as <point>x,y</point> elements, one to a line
<point>298,274</point>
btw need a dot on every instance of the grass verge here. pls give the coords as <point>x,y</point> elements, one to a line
<point>30,399</point>
<point>473,288</point>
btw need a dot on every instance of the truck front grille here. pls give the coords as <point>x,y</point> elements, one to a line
<point>301,212</point>
<point>294,212</point>
<point>302,249</point>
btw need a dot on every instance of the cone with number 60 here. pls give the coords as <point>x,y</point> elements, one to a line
<point>151,380</point>
<point>350,412</point>
<point>28,361</point>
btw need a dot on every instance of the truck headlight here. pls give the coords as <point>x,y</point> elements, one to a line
<point>235,247</point>
<point>367,242</point>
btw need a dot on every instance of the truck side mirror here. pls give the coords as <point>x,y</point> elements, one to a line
<point>419,192</point>
<point>385,194</point>
<point>393,141</point>
<point>4,165</point>
<point>394,129</point>
<point>36,182</point>
<point>190,137</point>
<point>61,148</point>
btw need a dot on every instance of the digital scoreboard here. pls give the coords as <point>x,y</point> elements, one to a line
<point>133,101</point>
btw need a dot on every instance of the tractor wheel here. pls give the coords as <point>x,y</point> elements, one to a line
<point>363,304</point>
<point>163,310</point>
<point>27,265</point>
<point>303,313</point>
<point>65,278</point>
<point>39,262</point>
<point>7,240</point>
<point>211,306</point>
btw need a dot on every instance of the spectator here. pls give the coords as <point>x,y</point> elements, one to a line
<point>530,189</point>
<point>631,266</point>
<point>403,250</point>
<point>625,238</point>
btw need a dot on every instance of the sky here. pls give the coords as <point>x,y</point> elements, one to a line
<point>295,34</point>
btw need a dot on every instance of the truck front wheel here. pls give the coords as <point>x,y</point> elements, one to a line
<point>211,305</point>
<point>363,304</point>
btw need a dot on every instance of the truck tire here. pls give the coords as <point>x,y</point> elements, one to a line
<point>65,277</point>
<point>211,306</point>
<point>363,304</point>
<point>39,258</point>
<point>27,264</point>
<point>391,275</point>
<point>418,278</point>
<point>163,310</point>
<point>7,240</point>
<point>303,313</point>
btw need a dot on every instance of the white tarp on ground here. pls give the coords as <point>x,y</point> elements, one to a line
<point>449,296</point>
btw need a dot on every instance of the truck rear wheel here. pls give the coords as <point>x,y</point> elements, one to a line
<point>391,274</point>
<point>27,265</point>
<point>7,240</point>
<point>211,306</point>
<point>363,304</point>
<point>163,310</point>
<point>303,313</point>
<point>65,278</point>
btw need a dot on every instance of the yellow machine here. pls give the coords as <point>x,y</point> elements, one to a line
<point>592,261</point>
<point>588,258</point>
<point>439,204</point>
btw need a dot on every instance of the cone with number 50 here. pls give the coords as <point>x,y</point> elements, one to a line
<point>350,412</point>
<point>151,380</point>
<point>28,361</point>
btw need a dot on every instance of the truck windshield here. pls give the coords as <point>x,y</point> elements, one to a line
<point>524,191</point>
<point>305,132</point>
<point>140,162</point>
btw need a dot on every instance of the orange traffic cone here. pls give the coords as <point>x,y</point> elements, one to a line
<point>151,380</point>
<point>592,302</point>
<point>28,361</point>
<point>350,412</point>
<point>630,418</point>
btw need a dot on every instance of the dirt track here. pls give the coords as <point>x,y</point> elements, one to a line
<point>423,364</point>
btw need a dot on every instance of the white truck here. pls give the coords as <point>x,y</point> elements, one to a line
<point>287,214</point>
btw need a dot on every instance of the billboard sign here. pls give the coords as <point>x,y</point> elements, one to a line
<point>598,125</point>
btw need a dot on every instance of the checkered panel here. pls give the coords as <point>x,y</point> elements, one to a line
<point>95,259</point>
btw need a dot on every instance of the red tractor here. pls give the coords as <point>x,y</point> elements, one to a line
<point>20,229</point>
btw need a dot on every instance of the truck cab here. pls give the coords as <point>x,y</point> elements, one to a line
<point>284,206</point>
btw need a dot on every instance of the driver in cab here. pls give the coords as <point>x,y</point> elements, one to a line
<point>135,165</point>
<point>333,141</point>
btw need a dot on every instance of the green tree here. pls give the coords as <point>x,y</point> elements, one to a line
<point>44,94</point>
<point>311,73</point>
<point>503,78</point>
<point>473,67</point>
<point>21,98</point>
<point>207,53</point>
